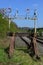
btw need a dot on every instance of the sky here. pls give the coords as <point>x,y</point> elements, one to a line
<point>21,6</point>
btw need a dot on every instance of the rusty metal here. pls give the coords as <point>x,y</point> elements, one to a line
<point>12,45</point>
<point>34,45</point>
<point>36,51</point>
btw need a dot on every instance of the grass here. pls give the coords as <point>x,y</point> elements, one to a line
<point>19,58</point>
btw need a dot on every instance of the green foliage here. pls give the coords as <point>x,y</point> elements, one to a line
<point>19,58</point>
<point>40,30</point>
<point>4,27</point>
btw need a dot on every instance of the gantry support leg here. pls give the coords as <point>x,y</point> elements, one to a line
<point>12,45</point>
<point>36,51</point>
<point>34,46</point>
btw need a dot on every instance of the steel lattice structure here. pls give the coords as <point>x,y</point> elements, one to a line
<point>19,17</point>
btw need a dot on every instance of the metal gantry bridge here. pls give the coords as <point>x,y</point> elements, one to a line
<point>12,38</point>
<point>19,17</point>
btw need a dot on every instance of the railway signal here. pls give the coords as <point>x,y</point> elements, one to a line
<point>21,17</point>
<point>5,12</point>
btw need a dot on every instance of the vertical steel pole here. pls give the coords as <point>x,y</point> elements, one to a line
<point>35,26</point>
<point>9,22</point>
<point>34,41</point>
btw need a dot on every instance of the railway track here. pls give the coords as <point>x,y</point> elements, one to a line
<point>24,35</point>
<point>38,39</point>
<point>41,38</point>
<point>23,40</point>
<point>26,40</point>
<point>39,43</point>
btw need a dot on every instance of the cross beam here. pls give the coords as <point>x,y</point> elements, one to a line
<point>21,17</point>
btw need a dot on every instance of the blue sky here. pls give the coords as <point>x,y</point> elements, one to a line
<point>22,5</point>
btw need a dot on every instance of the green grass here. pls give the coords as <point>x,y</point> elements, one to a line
<point>19,58</point>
